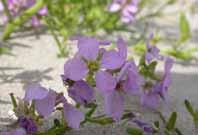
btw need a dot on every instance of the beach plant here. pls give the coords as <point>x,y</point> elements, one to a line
<point>97,68</point>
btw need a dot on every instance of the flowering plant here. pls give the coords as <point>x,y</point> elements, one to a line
<point>93,68</point>
<point>13,8</point>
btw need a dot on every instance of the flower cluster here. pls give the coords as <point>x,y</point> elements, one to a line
<point>16,7</point>
<point>127,9</point>
<point>108,71</point>
<point>95,67</point>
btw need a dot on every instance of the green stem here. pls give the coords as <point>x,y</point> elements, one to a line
<point>165,122</point>
<point>55,131</point>
<point>91,111</point>
<point>13,99</point>
<point>18,21</point>
<point>108,120</point>
<point>58,42</point>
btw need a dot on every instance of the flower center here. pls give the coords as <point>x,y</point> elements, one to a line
<point>119,86</point>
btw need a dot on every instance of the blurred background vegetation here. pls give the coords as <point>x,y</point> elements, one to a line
<point>67,18</point>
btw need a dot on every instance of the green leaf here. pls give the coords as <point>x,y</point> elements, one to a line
<point>196,117</point>
<point>180,54</point>
<point>152,66</point>
<point>178,131</point>
<point>171,122</point>
<point>189,107</point>
<point>134,131</point>
<point>140,47</point>
<point>156,124</point>
<point>184,28</point>
<point>166,132</point>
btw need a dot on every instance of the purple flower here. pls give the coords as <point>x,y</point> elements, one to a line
<point>88,47</point>
<point>46,105</point>
<point>16,7</point>
<point>75,69</point>
<point>28,124</point>
<point>17,131</point>
<point>127,8</point>
<point>129,12</point>
<point>72,115</point>
<point>35,91</point>
<point>44,99</point>
<point>159,88</point>
<point>81,92</point>
<point>134,80</point>
<point>150,99</point>
<point>45,102</point>
<point>166,79</point>
<point>1,7</point>
<point>113,89</point>
<point>152,52</point>
<point>115,59</point>
<point>35,21</point>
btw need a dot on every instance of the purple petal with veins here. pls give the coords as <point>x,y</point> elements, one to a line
<point>73,116</point>
<point>75,69</point>
<point>105,82</point>
<point>81,92</point>
<point>34,92</point>
<point>46,105</point>
<point>114,104</point>
<point>112,60</point>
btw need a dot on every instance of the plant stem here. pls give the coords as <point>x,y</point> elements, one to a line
<point>18,21</point>
<point>108,120</point>
<point>58,42</point>
<point>14,103</point>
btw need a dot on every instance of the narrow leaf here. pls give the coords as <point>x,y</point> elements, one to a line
<point>189,107</point>
<point>134,131</point>
<point>171,122</point>
<point>184,28</point>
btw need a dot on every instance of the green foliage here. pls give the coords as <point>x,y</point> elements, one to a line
<point>70,17</point>
<point>4,50</point>
<point>171,122</point>
<point>184,26</point>
<point>180,54</point>
<point>193,112</point>
<point>134,131</point>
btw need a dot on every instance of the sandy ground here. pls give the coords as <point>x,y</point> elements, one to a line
<point>34,60</point>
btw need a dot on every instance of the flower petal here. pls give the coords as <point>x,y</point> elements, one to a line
<point>75,69</point>
<point>122,48</point>
<point>81,92</point>
<point>134,81</point>
<point>34,92</point>
<point>43,11</point>
<point>112,60</point>
<point>114,105</point>
<point>46,105</point>
<point>114,7</point>
<point>1,7</point>
<point>73,116</point>
<point>88,47</point>
<point>105,81</point>
<point>168,65</point>
<point>149,100</point>
<point>35,21</point>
